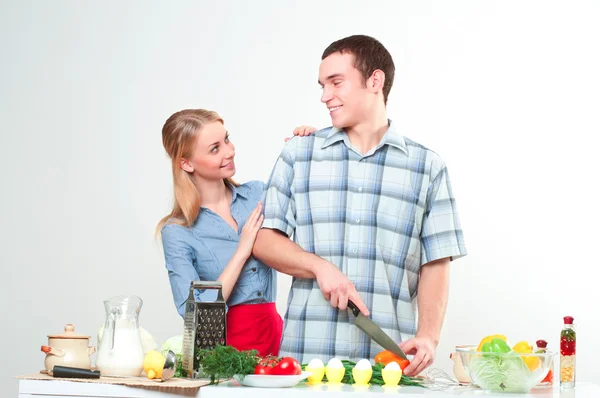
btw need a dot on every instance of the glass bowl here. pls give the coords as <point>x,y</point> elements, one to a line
<point>509,372</point>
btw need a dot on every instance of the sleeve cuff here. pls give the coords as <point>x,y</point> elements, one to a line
<point>278,225</point>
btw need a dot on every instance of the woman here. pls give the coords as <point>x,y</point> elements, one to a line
<point>210,232</point>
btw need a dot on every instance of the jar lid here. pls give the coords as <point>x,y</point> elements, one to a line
<point>541,343</point>
<point>69,334</point>
<point>568,320</point>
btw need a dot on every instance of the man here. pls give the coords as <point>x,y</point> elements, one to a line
<point>373,220</point>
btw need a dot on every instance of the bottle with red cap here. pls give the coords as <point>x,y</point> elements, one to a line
<point>541,348</point>
<point>567,354</point>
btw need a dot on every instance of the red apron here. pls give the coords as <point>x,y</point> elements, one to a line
<point>255,327</point>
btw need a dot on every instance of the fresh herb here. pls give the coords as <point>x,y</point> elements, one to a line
<point>376,378</point>
<point>223,362</point>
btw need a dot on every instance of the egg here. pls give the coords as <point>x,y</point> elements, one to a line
<point>391,374</point>
<point>362,372</point>
<point>392,366</point>
<point>363,364</point>
<point>317,371</point>
<point>335,371</point>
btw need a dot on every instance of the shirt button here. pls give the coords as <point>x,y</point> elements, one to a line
<point>253,269</point>
<point>259,294</point>
<point>359,189</point>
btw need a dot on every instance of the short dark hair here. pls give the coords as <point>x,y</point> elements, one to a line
<point>369,55</point>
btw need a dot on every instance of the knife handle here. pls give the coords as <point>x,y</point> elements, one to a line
<point>75,373</point>
<point>353,308</point>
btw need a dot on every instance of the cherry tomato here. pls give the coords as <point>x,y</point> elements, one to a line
<point>287,366</point>
<point>262,370</point>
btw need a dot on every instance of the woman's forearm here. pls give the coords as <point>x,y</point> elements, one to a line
<point>231,273</point>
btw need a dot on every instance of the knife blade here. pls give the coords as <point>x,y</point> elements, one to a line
<point>374,332</point>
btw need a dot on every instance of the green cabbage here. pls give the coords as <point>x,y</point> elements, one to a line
<point>506,373</point>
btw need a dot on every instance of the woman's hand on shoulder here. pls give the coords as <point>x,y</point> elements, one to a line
<point>302,131</point>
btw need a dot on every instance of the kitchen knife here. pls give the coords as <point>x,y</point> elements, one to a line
<point>374,332</point>
<point>74,373</point>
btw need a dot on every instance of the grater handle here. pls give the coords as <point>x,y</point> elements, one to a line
<point>208,285</point>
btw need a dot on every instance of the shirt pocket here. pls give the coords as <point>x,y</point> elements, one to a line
<point>400,212</point>
<point>206,262</point>
<point>249,275</point>
<point>399,221</point>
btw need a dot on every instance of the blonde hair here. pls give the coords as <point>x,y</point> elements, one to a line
<point>179,135</point>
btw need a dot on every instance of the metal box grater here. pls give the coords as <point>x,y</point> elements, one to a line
<point>204,326</point>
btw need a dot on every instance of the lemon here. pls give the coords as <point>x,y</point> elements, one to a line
<point>532,362</point>
<point>154,362</point>
<point>522,347</point>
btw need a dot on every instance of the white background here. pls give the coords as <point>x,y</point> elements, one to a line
<point>507,92</point>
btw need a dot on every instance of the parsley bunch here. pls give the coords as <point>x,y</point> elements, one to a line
<point>223,362</point>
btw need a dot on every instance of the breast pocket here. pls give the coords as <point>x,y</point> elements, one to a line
<point>206,262</point>
<point>399,216</point>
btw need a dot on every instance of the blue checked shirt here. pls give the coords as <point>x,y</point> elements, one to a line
<point>378,217</point>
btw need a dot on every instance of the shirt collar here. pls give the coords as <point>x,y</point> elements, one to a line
<point>241,190</point>
<point>391,137</point>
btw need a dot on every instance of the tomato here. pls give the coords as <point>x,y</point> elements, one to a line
<point>262,370</point>
<point>549,377</point>
<point>385,357</point>
<point>287,366</point>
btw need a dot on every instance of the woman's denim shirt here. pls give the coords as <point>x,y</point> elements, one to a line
<point>202,252</point>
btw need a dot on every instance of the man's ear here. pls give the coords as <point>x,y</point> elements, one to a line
<point>186,166</point>
<point>376,81</point>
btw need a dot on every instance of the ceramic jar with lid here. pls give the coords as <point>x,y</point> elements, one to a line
<point>68,349</point>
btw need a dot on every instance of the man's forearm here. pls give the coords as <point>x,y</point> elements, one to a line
<point>432,298</point>
<point>279,252</point>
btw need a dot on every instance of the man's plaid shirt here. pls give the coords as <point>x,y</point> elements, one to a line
<point>378,217</point>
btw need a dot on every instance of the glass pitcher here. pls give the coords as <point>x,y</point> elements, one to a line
<point>120,351</point>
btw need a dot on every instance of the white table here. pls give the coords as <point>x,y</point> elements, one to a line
<point>69,389</point>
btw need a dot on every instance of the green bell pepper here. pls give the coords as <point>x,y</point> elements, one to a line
<point>500,346</point>
<point>497,346</point>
